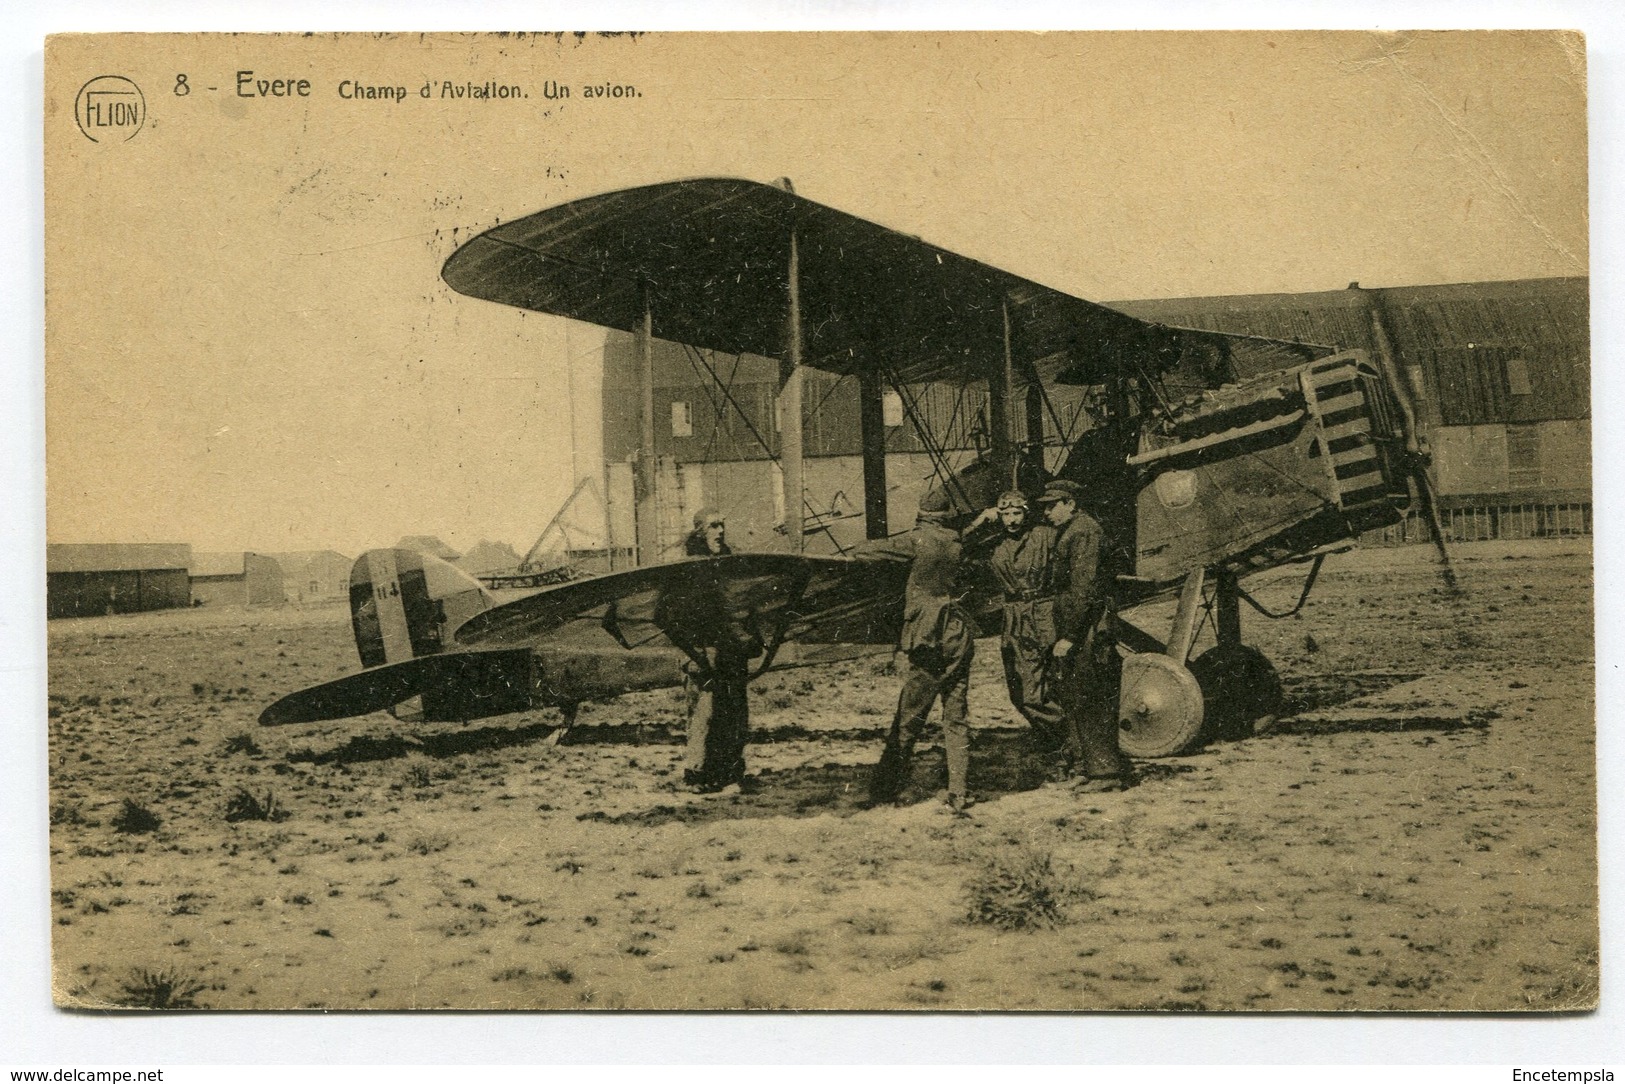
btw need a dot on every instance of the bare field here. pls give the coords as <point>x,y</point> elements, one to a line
<point>1419,833</point>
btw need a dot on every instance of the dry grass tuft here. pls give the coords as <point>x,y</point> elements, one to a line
<point>165,989</point>
<point>67,813</point>
<point>1022,890</point>
<point>134,819</point>
<point>242,743</point>
<point>244,806</point>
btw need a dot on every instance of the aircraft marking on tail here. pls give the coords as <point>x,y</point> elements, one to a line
<point>384,573</point>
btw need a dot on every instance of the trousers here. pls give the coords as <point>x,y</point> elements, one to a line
<point>1029,636</point>
<point>718,720</point>
<point>1091,678</point>
<point>930,674</point>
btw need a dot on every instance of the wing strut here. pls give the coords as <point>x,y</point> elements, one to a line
<point>872,430</point>
<point>790,379</point>
<point>643,502</point>
<point>696,361</point>
<point>1001,387</point>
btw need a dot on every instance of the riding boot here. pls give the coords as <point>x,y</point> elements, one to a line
<point>891,774</point>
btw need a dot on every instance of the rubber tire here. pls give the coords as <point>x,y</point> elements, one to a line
<point>1178,698</point>
<point>1240,689</point>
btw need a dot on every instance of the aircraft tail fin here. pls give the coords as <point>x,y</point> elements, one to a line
<point>405,604</point>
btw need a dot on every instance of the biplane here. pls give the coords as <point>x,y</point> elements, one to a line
<point>1208,457</point>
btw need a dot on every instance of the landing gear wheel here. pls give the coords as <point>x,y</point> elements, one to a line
<point>1242,691</point>
<point>1159,711</point>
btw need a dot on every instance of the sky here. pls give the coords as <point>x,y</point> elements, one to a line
<point>249,346</point>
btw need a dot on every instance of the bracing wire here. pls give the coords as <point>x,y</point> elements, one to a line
<point>697,360</point>
<point>718,412</point>
<point>932,449</point>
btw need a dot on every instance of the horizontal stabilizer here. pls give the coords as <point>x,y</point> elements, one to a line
<point>461,685</point>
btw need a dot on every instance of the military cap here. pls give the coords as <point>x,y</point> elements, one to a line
<point>935,501</point>
<point>1014,498</point>
<point>1061,490</point>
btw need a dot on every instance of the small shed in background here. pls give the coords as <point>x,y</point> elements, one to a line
<point>314,575</point>
<point>236,578</point>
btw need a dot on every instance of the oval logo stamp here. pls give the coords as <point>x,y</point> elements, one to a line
<point>110,109</point>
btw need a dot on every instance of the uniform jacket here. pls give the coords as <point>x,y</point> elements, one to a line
<point>1082,590</point>
<point>933,583</point>
<point>1024,567</point>
<point>692,609</point>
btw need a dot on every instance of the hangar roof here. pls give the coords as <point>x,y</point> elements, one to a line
<point>116,556</point>
<point>219,564</point>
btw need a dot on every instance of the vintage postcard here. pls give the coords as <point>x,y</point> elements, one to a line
<point>911,521</point>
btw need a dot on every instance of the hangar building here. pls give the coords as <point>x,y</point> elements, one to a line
<point>236,579</point>
<point>1500,372</point>
<point>90,580</point>
<point>314,575</point>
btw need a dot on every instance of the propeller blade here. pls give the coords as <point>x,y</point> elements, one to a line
<point>1418,461</point>
<point>1427,497</point>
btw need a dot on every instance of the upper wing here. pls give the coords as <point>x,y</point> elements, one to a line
<point>712,255</point>
<point>776,597</point>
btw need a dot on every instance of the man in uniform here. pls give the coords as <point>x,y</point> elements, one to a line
<point>694,615</point>
<point>1090,670</point>
<point>936,645</point>
<point>1022,563</point>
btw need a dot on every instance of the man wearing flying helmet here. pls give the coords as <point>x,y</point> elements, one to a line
<point>693,611</point>
<point>1023,565</point>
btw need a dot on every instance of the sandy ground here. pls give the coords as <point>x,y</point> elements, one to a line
<point>1418,833</point>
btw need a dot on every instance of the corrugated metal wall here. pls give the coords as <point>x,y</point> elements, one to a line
<point>1520,461</point>
<point>94,594</point>
<point>1478,385</point>
<point>1461,336</point>
<point>1336,318</point>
